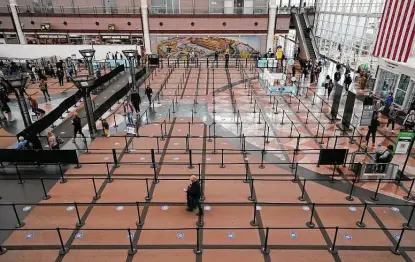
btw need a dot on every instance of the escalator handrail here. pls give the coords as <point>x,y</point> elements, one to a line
<point>312,37</point>
<point>300,29</point>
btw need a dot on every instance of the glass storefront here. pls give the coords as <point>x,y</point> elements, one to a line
<point>386,83</point>
<point>401,89</point>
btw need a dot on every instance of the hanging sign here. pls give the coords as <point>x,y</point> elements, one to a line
<point>403,142</point>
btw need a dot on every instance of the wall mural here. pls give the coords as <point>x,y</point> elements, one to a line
<point>206,46</point>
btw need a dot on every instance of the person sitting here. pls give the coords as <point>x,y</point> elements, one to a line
<point>21,144</point>
<point>384,158</point>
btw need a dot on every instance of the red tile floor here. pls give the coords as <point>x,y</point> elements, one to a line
<point>250,199</point>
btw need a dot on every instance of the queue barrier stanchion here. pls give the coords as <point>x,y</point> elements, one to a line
<point>154,166</point>
<point>301,198</point>
<point>222,165</point>
<point>20,223</point>
<point>408,225</point>
<point>131,250</point>
<point>360,223</point>
<point>246,172</point>
<point>96,194</point>
<point>139,222</point>
<point>200,222</point>
<point>375,196</point>
<point>295,179</point>
<point>190,160</point>
<point>109,178</point>
<point>408,197</point>
<point>350,197</point>
<point>148,196</point>
<point>63,180</point>
<point>46,196</point>
<point>21,182</point>
<point>63,250</point>
<point>333,249</point>
<point>395,250</point>
<point>262,159</point>
<point>332,175</point>
<point>114,156</point>
<point>254,221</point>
<point>251,190</point>
<point>80,223</point>
<point>310,223</point>
<point>198,249</point>
<point>265,249</point>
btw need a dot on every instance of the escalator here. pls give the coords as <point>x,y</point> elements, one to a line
<point>308,46</point>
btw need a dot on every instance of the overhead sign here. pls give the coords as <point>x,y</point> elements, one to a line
<point>115,37</point>
<point>367,115</point>
<point>52,36</point>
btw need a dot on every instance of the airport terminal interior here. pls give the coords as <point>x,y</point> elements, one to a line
<point>207,130</point>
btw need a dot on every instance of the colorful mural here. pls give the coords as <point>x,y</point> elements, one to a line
<point>206,46</point>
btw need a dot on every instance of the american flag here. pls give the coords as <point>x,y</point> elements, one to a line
<point>396,30</point>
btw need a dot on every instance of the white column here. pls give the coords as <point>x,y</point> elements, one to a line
<point>146,31</point>
<point>16,20</point>
<point>271,24</point>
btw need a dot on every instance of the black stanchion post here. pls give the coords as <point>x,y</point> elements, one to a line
<point>408,197</point>
<point>187,143</point>
<point>63,179</point>
<point>295,173</point>
<point>262,159</point>
<point>301,198</point>
<point>18,175</point>
<point>63,250</point>
<point>131,251</point>
<point>254,221</point>
<point>310,223</point>
<point>199,222</point>
<point>396,250</point>
<point>190,160</point>
<point>375,196</point>
<point>109,179</point>
<point>45,193</point>
<point>332,175</point>
<point>246,172</point>
<point>198,249</point>
<point>148,197</point>
<point>350,197</point>
<point>19,222</point>
<point>140,221</point>
<point>360,223</point>
<point>114,156</point>
<point>153,165</point>
<point>251,190</point>
<point>80,223</point>
<point>333,249</point>
<point>408,225</point>
<point>96,195</point>
<point>222,165</point>
<point>265,249</point>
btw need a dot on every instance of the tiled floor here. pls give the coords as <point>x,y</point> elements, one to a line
<point>251,200</point>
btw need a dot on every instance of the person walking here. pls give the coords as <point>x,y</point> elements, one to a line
<point>368,101</point>
<point>77,127</point>
<point>193,193</point>
<point>326,83</point>
<point>4,99</point>
<point>44,88</point>
<point>35,107</point>
<point>330,88</point>
<point>60,75</point>
<point>409,121</point>
<point>347,82</point>
<point>52,140</point>
<point>35,74</point>
<point>372,129</point>
<point>70,71</point>
<point>392,116</point>
<point>148,92</point>
<point>216,58</point>
<point>136,101</point>
<point>388,103</point>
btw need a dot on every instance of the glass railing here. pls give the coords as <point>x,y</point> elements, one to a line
<point>136,10</point>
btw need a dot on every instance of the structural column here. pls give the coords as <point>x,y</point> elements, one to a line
<point>146,31</point>
<point>13,10</point>
<point>271,24</point>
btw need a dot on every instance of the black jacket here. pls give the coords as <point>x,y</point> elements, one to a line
<point>76,122</point>
<point>194,190</point>
<point>368,101</point>
<point>148,91</point>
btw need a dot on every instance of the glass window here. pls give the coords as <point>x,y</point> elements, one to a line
<point>387,81</point>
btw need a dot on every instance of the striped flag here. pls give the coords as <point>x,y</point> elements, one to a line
<point>396,30</point>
